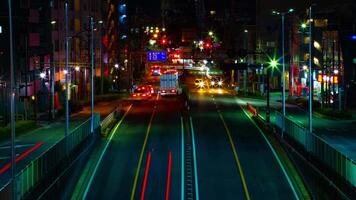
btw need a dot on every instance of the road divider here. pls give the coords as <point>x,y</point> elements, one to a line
<point>251,109</point>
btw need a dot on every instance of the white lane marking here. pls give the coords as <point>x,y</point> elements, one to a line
<point>273,151</point>
<point>182,160</point>
<point>195,161</point>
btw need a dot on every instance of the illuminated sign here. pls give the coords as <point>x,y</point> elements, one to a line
<point>0,29</point>
<point>156,56</point>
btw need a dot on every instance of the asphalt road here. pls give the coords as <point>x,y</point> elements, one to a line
<point>221,128</point>
<point>147,157</point>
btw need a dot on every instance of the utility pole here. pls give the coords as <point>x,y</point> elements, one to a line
<point>92,73</point>
<point>282,14</point>
<point>101,59</point>
<point>268,96</point>
<point>12,107</point>
<point>66,132</point>
<point>53,70</point>
<point>310,71</point>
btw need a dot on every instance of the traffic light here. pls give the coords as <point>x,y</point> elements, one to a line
<point>163,41</point>
<point>207,45</point>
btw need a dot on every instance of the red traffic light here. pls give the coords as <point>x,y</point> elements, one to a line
<point>163,41</point>
<point>207,45</point>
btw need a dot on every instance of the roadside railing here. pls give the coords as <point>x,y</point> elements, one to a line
<point>42,166</point>
<point>321,149</point>
<point>112,116</point>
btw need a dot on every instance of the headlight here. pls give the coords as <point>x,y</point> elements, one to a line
<point>220,83</point>
<point>201,84</point>
<point>212,83</point>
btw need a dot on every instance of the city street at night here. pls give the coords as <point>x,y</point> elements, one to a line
<point>181,100</point>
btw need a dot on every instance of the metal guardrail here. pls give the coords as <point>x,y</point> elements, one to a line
<point>318,147</point>
<point>39,168</point>
<point>108,119</point>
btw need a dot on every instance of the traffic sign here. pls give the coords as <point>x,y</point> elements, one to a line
<point>156,56</point>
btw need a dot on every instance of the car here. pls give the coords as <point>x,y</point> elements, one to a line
<point>141,93</point>
<point>215,83</point>
<point>199,83</point>
<point>147,87</point>
<point>156,71</point>
<point>151,89</point>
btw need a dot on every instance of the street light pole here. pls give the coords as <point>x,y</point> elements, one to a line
<point>268,96</point>
<point>310,72</point>
<point>101,59</point>
<point>282,14</point>
<point>283,78</point>
<point>53,70</point>
<point>92,73</point>
<point>67,70</point>
<point>12,107</point>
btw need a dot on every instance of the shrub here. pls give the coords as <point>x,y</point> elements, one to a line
<point>21,128</point>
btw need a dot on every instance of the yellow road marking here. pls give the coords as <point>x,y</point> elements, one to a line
<point>141,154</point>
<point>236,158</point>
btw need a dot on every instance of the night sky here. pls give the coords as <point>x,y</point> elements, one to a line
<point>151,7</point>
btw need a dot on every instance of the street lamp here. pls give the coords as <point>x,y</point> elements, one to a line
<point>92,73</point>
<point>66,69</point>
<point>303,25</point>
<point>282,14</point>
<point>311,83</point>
<point>12,106</point>
<point>273,63</point>
<point>52,70</point>
<point>42,75</point>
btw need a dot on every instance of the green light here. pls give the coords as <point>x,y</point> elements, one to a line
<point>291,10</point>
<point>273,63</point>
<point>304,25</point>
<point>211,33</point>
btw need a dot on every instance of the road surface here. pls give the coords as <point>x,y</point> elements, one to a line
<point>205,147</point>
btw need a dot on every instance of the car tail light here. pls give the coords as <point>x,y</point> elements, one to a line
<point>134,95</point>
<point>163,91</point>
<point>173,90</point>
<point>152,92</point>
<point>144,95</point>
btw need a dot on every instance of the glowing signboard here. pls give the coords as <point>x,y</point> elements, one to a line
<point>156,56</point>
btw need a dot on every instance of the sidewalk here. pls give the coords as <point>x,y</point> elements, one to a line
<point>32,144</point>
<point>341,134</point>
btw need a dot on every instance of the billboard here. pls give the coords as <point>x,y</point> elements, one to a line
<point>156,56</point>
